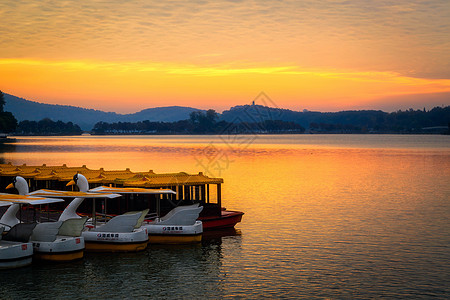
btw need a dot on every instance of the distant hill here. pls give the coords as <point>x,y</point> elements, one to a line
<point>360,121</point>
<point>34,111</point>
<point>258,113</point>
<point>24,109</point>
<point>160,114</point>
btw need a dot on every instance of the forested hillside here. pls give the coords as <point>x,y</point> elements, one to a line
<point>187,120</point>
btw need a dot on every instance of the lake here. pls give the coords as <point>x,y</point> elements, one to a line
<point>326,217</point>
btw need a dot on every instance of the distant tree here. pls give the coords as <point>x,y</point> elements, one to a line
<point>8,122</point>
<point>194,117</point>
<point>212,115</point>
<point>2,101</point>
<point>48,127</point>
<point>204,122</point>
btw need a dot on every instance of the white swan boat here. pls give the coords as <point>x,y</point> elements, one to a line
<point>122,233</point>
<point>14,254</point>
<point>54,241</point>
<point>179,226</point>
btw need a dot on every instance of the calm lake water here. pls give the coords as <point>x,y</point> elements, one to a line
<point>326,216</point>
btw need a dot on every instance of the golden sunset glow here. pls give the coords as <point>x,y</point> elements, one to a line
<point>125,57</point>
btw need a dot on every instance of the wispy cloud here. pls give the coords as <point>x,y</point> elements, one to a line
<point>408,37</point>
<point>140,68</point>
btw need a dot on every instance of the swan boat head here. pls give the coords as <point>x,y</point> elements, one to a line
<point>9,217</point>
<point>80,181</point>
<point>70,212</point>
<point>20,184</point>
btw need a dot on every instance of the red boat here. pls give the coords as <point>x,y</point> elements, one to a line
<point>226,219</point>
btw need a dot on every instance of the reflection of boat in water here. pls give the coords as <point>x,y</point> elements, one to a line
<point>14,254</point>
<point>178,226</point>
<point>54,241</point>
<point>122,233</point>
<point>219,233</point>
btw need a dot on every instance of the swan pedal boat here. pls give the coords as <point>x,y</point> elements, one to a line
<point>122,233</point>
<point>14,254</point>
<point>52,241</point>
<point>179,226</point>
<point>46,241</point>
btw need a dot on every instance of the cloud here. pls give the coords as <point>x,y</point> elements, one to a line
<point>405,37</point>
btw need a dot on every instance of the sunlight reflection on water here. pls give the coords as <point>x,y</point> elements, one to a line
<point>325,217</point>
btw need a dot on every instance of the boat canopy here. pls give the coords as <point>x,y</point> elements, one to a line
<point>149,179</point>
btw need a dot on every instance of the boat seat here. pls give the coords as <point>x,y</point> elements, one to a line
<point>20,232</point>
<point>72,227</point>
<point>121,223</point>
<point>182,215</point>
<point>46,232</point>
<point>141,218</point>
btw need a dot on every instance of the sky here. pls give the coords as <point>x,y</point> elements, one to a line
<point>329,55</point>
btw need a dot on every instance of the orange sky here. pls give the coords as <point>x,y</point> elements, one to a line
<point>125,56</point>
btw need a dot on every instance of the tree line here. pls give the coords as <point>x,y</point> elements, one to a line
<point>198,123</point>
<point>47,127</point>
<point>408,121</point>
<point>436,120</point>
<point>250,119</point>
<point>9,124</point>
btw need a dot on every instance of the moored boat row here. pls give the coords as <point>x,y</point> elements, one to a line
<point>72,233</point>
<point>178,226</point>
<point>188,188</point>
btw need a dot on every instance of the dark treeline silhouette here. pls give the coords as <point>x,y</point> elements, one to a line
<point>8,122</point>
<point>199,123</point>
<point>250,119</point>
<point>86,118</point>
<point>47,127</point>
<point>362,121</point>
<point>247,121</point>
<point>409,121</point>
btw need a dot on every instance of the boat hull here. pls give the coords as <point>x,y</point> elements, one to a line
<point>61,250</point>
<point>116,242</point>
<point>175,234</point>
<point>227,219</point>
<point>175,239</point>
<point>15,255</point>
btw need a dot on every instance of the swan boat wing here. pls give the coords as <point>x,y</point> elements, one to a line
<point>26,199</point>
<point>69,194</point>
<point>104,189</point>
